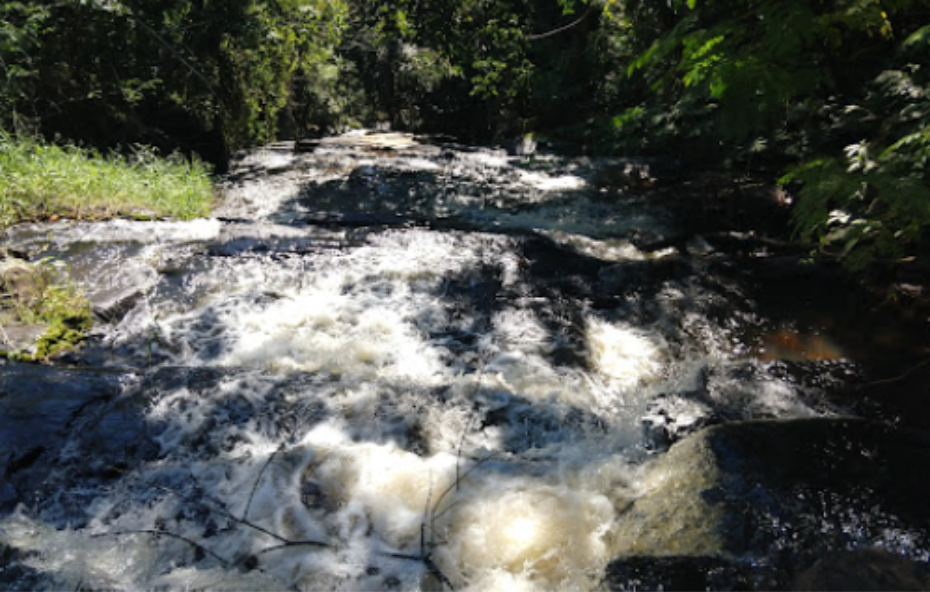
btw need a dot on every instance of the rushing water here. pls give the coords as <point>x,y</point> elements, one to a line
<point>386,364</point>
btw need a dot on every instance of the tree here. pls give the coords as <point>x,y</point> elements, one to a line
<point>834,90</point>
<point>208,77</point>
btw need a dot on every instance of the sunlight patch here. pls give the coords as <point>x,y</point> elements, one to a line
<point>327,333</point>
<point>623,355</point>
<point>548,183</point>
<point>547,535</point>
<point>390,489</point>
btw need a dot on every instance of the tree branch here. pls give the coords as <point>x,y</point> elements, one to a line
<point>561,29</point>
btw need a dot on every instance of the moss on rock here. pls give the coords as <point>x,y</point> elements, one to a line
<point>33,297</point>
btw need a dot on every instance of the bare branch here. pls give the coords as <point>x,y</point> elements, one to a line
<point>158,533</point>
<point>292,544</point>
<point>561,29</point>
<point>258,479</point>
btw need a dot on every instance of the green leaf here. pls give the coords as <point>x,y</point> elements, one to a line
<point>919,38</point>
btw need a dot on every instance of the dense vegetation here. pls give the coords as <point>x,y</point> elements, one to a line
<point>831,96</point>
<point>833,92</point>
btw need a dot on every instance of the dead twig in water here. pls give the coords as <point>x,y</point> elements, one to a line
<point>158,533</point>
<point>428,540</point>
<point>258,480</point>
<point>900,377</point>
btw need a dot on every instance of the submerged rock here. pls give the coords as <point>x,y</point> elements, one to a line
<point>688,573</point>
<point>784,494</point>
<point>864,569</point>
<point>61,427</point>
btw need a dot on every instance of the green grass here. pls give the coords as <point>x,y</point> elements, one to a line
<point>41,181</point>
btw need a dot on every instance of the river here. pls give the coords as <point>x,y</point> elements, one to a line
<point>389,363</point>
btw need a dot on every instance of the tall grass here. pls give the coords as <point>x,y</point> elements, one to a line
<point>41,181</point>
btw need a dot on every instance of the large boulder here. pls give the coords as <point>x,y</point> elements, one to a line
<point>763,501</point>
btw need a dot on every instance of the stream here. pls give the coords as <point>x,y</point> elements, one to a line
<point>389,363</point>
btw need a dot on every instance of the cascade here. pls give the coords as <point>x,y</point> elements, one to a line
<point>386,363</point>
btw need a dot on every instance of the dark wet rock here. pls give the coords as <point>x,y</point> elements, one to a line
<point>112,306</point>
<point>670,418</point>
<point>615,277</point>
<point>15,575</point>
<point>305,145</point>
<point>64,426</point>
<point>899,394</point>
<point>864,569</point>
<point>639,275</point>
<point>7,252</point>
<point>784,491</point>
<point>39,404</point>
<point>8,495</point>
<point>688,573</point>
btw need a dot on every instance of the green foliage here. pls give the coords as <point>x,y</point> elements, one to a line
<point>212,77</point>
<point>21,25</point>
<point>207,77</point>
<point>68,314</point>
<point>484,69</point>
<point>39,181</point>
<point>61,305</point>
<point>874,202</point>
<point>748,57</point>
<point>63,335</point>
<point>422,61</point>
<point>835,91</point>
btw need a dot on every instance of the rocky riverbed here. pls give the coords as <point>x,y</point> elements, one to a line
<point>394,363</point>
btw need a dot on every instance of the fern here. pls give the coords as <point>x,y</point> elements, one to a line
<point>862,209</point>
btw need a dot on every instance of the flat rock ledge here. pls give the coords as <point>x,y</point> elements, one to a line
<point>15,337</point>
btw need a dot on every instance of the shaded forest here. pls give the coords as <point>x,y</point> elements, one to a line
<point>830,97</point>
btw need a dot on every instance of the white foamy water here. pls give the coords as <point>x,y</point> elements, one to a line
<point>389,406</point>
<point>624,355</point>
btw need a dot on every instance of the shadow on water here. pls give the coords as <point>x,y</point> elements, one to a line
<point>818,312</point>
<point>109,446</point>
<point>112,457</point>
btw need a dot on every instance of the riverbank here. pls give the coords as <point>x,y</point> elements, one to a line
<point>41,312</point>
<point>41,181</point>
